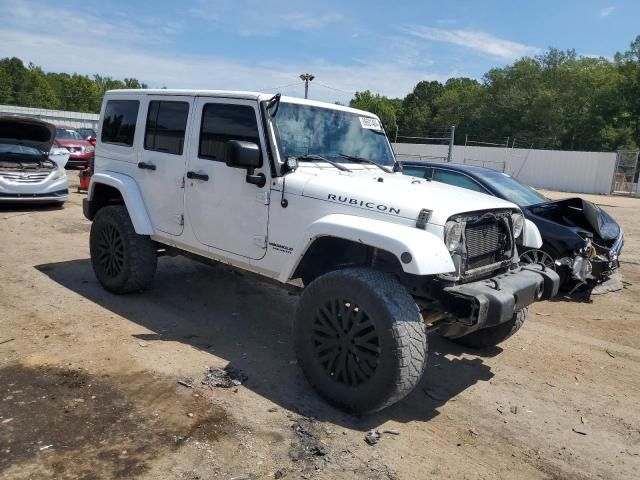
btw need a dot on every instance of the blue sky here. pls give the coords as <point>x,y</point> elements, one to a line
<point>386,47</point>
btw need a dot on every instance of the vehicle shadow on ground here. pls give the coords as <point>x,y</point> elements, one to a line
<point>248,323</point>
<point>11,209</point>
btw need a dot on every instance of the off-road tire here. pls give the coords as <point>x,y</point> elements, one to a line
<point>379,314</point>
<point>122,260</point>
<point>492,336</point>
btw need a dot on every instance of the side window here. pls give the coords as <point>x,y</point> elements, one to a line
<point>119,123</point>
<point>420,172</point>
<point>223,122</point>
<point>457,180</point>
<point>166,125</point>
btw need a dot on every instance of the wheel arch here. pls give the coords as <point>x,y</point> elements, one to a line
<point>109,188</point>
<point>428,255</point>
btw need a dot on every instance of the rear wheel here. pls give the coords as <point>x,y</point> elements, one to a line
<point>360,339</point>
<point>491,336</point>
<point>122,260</point>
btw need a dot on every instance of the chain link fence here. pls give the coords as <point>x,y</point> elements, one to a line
<point>625,179</point>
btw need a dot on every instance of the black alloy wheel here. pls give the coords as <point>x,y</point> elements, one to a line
<point>111,250</point>
<point>538,256</point>
<point>346,342</point>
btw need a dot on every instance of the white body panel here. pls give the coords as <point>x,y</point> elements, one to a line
<point>132,198</point>
<point>60,156</point>
<point>531,237</point>
<point>225,212</point>
<point>162,188</point>
<point>230,220</point>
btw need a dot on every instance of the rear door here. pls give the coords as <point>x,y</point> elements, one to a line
<point>224,211</point>
<point>162,160</point>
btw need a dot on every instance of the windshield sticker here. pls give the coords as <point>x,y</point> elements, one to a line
<point>370,123</point>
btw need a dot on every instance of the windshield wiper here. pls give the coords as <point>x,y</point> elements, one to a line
<point>318,158</point>
<point>355,159</point>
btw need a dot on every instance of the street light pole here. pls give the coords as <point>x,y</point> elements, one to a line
<point>306,78</point>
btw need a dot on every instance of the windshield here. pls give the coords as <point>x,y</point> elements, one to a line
<point>10,149</point>
<point>512,190</point>
<point>67,134</point>
<point>307,130</point>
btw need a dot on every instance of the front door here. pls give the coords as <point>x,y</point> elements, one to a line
<point>162,160</point>
<point>224,211</point>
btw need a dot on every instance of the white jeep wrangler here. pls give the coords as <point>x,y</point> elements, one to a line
<point>309,194</point>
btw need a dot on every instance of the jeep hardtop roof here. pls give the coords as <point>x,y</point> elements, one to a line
<point>237,94</point>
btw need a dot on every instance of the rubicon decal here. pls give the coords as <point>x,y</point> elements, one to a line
<point>362,203</point>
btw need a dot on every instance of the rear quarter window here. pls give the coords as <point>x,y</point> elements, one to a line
<point>166,126</point>
<point>119,122</point>
<point>457,180</point>
<point>421,172</point>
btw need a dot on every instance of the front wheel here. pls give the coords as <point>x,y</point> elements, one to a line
<point>122,260</point>
<point>360,339</point>
<point>492,336</point>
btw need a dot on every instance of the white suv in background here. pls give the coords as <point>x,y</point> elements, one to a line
<point>30,170</point>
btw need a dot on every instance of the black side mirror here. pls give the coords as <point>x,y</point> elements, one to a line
<point>242,154</point>
<point>246,155</point>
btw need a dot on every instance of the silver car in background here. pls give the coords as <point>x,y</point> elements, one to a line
<point>30,169</point>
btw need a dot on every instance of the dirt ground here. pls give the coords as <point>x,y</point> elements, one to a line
<point>89,381</point>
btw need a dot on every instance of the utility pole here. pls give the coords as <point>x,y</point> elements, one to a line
<point>453,135</point>
<point>306,78</point>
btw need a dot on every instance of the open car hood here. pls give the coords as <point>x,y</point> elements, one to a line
<point>582,213</point>
<point>27,131</point>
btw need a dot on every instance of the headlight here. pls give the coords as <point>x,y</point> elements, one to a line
<point>89,149</point>
<point>453,234</point>
<point>581,268</point>
<point>60,172</point>
<point>517,220</point>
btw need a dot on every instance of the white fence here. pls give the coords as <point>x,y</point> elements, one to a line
<point>580,172</point>
<point>57,117</point>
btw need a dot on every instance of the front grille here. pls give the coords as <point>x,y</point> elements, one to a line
<point>58,193</point>
<point>24,177</point>
<point>487,242</point>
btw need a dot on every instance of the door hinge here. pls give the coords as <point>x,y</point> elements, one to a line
<point>181,183</point>
<point>260,241</point>
<point>263,197</point>
<point>179,219</point>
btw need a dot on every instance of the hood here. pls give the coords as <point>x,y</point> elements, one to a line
<point>579,213</point>
<point>396,194</point>
<point>68,142</point>
<point>27,131</point>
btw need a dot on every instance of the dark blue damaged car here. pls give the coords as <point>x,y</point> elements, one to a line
<point>581,241</point>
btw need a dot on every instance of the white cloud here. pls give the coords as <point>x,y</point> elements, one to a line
<point>308,21</point>
<point>259,18</point>
<point>64,20</point>
<point>54,53</point>
<point>474,40</point>
<point>605,12</point>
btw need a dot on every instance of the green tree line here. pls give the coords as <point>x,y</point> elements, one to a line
<point>30,86</point>
<point>555,100</point>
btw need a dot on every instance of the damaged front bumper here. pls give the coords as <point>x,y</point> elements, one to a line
<point>493,301</point>
<point>597,267</point>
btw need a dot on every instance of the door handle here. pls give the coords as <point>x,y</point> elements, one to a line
<point>146,166</point>
<point>198,176</point>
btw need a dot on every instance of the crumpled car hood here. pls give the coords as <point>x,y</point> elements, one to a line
<point>571,210</point>
<point>27,131</point>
